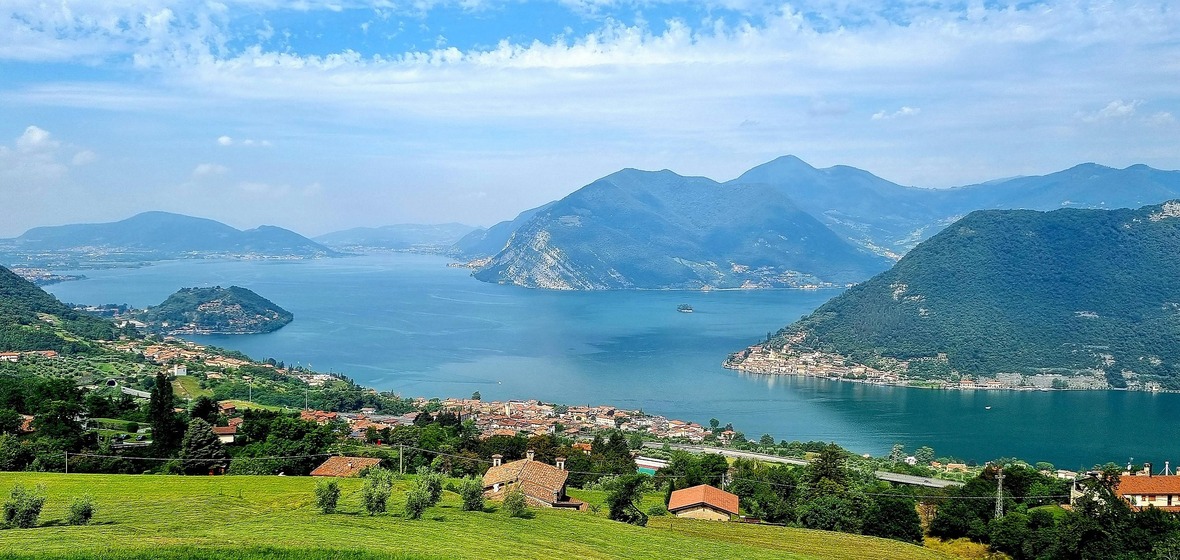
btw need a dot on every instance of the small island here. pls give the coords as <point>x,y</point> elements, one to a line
<point>216,310</point>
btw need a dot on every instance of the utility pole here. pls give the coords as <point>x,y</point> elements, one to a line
<point>67,462</point>
<point>401,454</point>
<point>1000,493</point>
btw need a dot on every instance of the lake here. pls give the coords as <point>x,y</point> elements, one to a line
<point>408,323</point>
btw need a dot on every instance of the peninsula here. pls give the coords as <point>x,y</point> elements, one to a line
<point>216,310</point>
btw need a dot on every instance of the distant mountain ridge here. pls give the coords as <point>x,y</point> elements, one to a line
<point>1021,291</point>
<point>654,230</point>
<point>626,241</point>
<point>398,237</point>
<point>163,235</point>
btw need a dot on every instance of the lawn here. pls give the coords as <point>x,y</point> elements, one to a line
<point>189,388</point>
<point>248,517</point>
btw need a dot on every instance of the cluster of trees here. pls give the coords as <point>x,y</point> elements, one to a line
<point>22,329</point>
<point>1101,525</point>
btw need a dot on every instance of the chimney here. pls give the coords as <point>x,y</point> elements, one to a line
<point>496,459</point>
<point>1147,469</point>
<point>560,463</point>
<point>529,454</point>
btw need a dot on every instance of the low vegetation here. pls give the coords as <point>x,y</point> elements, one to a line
<point>268,517</point>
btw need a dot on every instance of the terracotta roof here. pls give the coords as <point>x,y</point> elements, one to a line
<point>344,466</point>
<point>1146,485</point>
<point>537,480</point>
<point>26,423</point>
<point>225,430</point>
<point>703,495</point>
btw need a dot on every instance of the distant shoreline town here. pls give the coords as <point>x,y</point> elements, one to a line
<point>790,359</point>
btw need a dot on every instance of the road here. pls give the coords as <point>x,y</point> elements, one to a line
<point>882,475</point>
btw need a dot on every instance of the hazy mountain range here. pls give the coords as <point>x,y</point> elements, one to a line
<point>156,236</point>
<point>780,224</point>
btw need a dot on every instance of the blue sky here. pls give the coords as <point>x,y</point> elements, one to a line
<point>325,114</point>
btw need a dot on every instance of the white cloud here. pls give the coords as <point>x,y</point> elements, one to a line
<point>1118,109</point>
<point>225,141</point>
<point>205,169</point>
<point>1162,118</point>
<point>230,141</point>
<point>84,157</point>
<point>903,112</point>
<point>35,139</point>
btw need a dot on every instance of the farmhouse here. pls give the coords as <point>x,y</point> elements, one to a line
<point>541,483</point>
<point>345,467</point>
<point>703,502</point>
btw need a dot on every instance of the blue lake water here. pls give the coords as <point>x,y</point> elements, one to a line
<point>410,324</point>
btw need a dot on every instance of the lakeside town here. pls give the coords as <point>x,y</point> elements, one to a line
<point>791,359</point>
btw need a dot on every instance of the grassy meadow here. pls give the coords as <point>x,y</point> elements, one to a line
<point>269,517</point>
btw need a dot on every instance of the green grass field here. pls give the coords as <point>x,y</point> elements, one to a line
<point>248,518</point>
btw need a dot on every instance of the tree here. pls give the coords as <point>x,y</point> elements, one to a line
<point>378,487</point>
<point>10,421</point>
<point>893,517</point>
<point>418,499</point>
<point>766,440</point>
<point>60,420</point>
<point>206,409</point>
<point>476,396</point>
<point>327,493</point>
<point>624,492</point>
<point>514,503</point>
<point>201,449</point>
<point>897,454</point>
<point>924,455</point>
<point>828,465</point>
<point>714,423</point>
<point>81,511</point>
<point>167,429</point>
<point>471,491</point>
<point>23,506</point>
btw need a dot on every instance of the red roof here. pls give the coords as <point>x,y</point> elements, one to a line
<point>225,430</point>
<point>1148,485</point>
<point>703,495</point>
<point>344,466</point>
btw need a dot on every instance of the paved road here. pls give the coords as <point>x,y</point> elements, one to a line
<point>886,476</point>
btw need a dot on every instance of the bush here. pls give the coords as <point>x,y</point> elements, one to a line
<point>417,499</point>
<point>81,511</point>
<point>378,486</point>
<point>472,493</point>
<point>657,510</point>
<point>432,481</point>
<point>514,503</point>
<point>23,507</point>
<point>327,493</point>
<point>133,427</point>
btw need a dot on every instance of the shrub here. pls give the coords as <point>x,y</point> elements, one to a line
<point>417,499</point>
<point>471,490</point>
<point>657,510</point>
<point>327,493</point>
<point>133,427</point>
<point>378,486</point>
<point>514,503</point>
<point>81,511</point>
<point>432,481</point>
<point>23,506</point>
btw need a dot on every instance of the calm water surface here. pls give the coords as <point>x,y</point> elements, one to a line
<point>409,324</point>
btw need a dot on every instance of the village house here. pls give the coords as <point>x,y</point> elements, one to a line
<point>318,416</point>
<point>226,434</point>
<point>542,484</point>
<point>703,502</point>
<point>345,467</point>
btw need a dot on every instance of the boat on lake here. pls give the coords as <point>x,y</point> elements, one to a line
<point>684,308</point>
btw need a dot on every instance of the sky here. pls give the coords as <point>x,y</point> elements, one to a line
<point>320,115</point>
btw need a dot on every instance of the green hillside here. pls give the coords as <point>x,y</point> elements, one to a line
<point>155,516</point>
<point>31,319</point>
<point>1022,291</point>
<point>232,310</point>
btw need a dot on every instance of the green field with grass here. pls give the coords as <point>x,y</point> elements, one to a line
<point>269,517</point>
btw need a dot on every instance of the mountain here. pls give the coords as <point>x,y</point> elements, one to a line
<point>654,230</point>
<point>428,238</point>
<point>1021,291</point>
<point>162,235</point>
<point>868,211</point>
<point>32,319</point>
<point>890,219</point>
<point>216,310</point>
<point>488,242</point>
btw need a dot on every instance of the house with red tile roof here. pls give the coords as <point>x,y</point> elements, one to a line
<point>345,467</point>
<point>542,484</point>
<point>226,434</point>
<point>1142,491</point>
<point>703,502</point>
<point>26,424</point>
